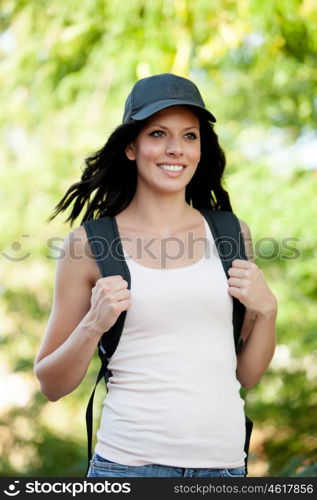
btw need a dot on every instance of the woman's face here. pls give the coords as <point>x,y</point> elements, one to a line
<point>167,149</point>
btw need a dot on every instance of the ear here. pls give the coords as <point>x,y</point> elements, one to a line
<point>129,151</point>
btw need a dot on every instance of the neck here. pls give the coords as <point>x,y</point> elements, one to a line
<point>159,215</point>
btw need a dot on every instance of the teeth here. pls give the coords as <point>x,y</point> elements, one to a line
<point>172,168</point>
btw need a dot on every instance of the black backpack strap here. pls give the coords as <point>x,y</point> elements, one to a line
<point>89,412</point>
<point>105,245</point>
<point>226,230</point>
<point>248,431</point>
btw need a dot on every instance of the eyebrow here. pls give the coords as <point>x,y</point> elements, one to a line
<point>166,128</point>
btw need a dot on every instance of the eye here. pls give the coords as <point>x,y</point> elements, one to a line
<point>191,135</point>
<point>157,133</point>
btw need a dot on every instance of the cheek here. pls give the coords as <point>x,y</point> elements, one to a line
<point>195,153</point>
<point>148,152</point>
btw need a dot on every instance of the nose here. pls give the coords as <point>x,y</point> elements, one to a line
<point>174,147</point>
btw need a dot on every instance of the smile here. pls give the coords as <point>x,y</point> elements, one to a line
<point>172,168</point>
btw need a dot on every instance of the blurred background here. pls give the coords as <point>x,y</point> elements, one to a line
<point>66,68</point>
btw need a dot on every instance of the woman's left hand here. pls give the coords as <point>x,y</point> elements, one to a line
<point>248,284</point>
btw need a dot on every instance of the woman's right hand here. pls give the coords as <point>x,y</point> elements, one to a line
<point>110,296</point>
<point>84,307</point>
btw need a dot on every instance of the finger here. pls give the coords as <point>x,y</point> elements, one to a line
<point>124,304</point>
<point>109,279</point>
<point>238,293</point>
<point>116,295</point>
<point>122,295</point>
<point>236,282</point>
<point>237,272</point>
<point>119,285</point>
<point>115,277</point>
<point>243,264</point>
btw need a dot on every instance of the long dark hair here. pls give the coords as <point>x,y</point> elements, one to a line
<point>108,182</point>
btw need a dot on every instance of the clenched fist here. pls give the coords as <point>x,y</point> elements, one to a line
<point>248,284</point>
<point>110,296</point>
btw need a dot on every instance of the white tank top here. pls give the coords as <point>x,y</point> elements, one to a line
<point>173,398</point>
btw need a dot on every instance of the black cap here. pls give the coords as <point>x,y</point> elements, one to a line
<point>157,92</point>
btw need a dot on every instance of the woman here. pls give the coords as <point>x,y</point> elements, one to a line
<point>153,175</point>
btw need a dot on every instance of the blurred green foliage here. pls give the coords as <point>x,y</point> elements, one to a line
<point>66,69</point>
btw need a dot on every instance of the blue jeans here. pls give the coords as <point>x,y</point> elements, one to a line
<point>100,467</point>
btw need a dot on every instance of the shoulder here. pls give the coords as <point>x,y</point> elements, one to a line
<point>78,255</point>
<point>246,233</point>
<point>244,227</point>
<point>76,242</point>
<point>77,235</point>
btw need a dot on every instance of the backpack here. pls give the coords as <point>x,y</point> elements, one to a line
<point>105,245</point>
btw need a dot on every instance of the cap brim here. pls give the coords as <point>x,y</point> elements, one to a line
<point>160,105</point>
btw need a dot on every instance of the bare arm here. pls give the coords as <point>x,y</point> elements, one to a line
<point>83,309</point>
<point>247,283</point>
